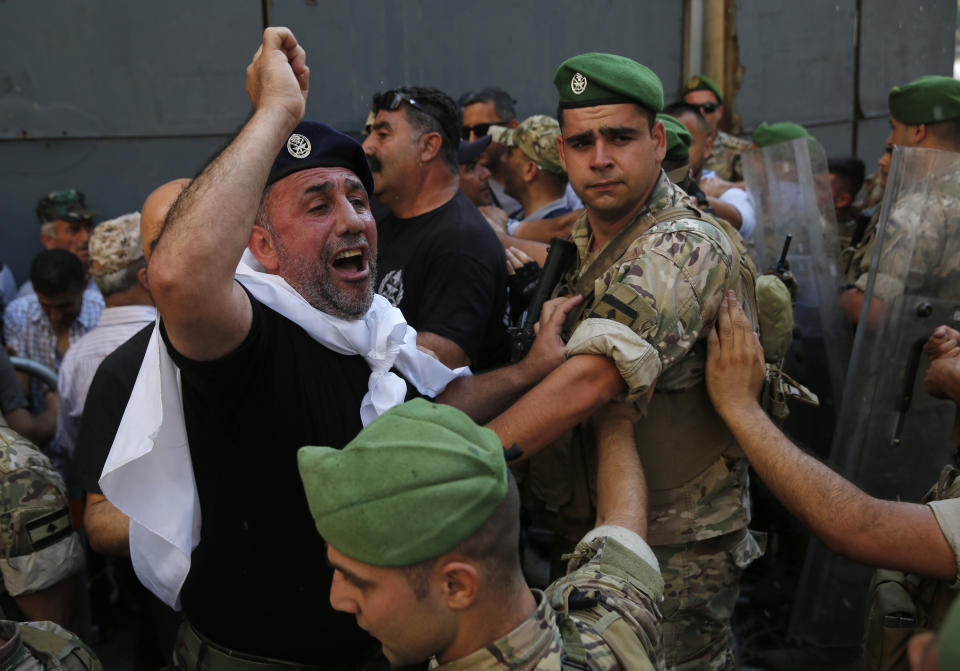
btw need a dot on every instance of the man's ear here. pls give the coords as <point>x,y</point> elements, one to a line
<point>919,132</point>
<point>142,279</point>
<point>563,161</point>
<point>263,248</point>
<point>430,145</point>
<point>530,170</point>
<point>47,240</point>
<point>842,199</point>
<point>659,135</point>
<point>459,583</point>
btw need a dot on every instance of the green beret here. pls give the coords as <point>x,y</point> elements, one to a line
<point>701,83</point>
<point>773,133</point>
<point>415,483</point>
<point>678,138</point>
<point>605,79</point>
<point>926,100</point>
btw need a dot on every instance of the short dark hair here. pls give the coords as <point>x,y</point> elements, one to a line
<point>55,271</point>
<point>503,102</point>
<point>495,546</point>
<point>851,172</point>
<point>947,133</point>
<point>439,115</point>
<point>650,114</point>
<point>678,109</point>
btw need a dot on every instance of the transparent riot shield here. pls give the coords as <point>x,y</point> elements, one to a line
<point>789,185</point>
<point>892,437</point>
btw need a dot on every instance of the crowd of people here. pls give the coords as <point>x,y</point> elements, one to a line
<point>288,395</point>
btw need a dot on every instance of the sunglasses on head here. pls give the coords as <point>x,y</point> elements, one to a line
<point>709,108</point>
<point>394,99</point>
<point>480,129</point>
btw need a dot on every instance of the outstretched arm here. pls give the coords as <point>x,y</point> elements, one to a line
<point>846,519</point>
<point>205,312</point>
<point>621,484</point>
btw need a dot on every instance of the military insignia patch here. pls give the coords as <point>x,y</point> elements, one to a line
<point>578,84</point>
<point>298,146</point>
<point>693,82</point>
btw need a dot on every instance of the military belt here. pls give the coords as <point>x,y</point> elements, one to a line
<point>195,652</point>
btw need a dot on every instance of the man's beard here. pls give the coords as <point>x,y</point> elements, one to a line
<point>311,279</point>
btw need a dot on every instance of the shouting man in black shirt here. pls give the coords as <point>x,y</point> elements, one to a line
<point>439,260</point>
<point>288,348</point>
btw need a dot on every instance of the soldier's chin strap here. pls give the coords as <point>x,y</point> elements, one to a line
<point>512,453</point>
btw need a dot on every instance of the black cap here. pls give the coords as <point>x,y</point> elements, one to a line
<point>317,145</point>
<point>471,151</point>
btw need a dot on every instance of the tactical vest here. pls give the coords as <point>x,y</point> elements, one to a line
<point>563,478</point>
<point>902,604</point>
<point>56,648</point>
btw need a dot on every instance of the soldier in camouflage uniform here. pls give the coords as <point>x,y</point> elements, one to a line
<point>924,113</point>
<point>41,553</point>
<point>41,550</point>
<point>724,159</point>
<point>653,272</point>
<point>425,554</point>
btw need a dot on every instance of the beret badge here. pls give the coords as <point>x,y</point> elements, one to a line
<point>578,84</point>
<point>298,146</point>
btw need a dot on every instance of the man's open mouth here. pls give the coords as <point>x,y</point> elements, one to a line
<point>351,261</point>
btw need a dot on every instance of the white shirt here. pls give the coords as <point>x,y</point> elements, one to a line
<point>81,361</point>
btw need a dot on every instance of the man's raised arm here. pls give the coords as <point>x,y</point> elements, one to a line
<point>847,520</point>
<point>205,312</point>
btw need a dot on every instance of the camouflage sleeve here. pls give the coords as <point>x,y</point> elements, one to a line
<point>38,546</point>
<point>614,569</point>
<point>947,513</point>
<point>913,242</point>
<point>658,302</point>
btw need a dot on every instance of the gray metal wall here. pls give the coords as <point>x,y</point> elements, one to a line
<point>116,97</point>
<point>801,64</point>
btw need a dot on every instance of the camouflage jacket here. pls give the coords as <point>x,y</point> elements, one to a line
<point>725,156</point>
<point>872,189</point>
<point>665,288</point>
<point>649,313</point>
<point>37,542</point>
<point>43,646</point>
<point>921,244</point>
<point>610,593</point>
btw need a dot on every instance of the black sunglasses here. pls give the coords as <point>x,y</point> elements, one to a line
<point>709,108</point>
<point>480,129</point>
<point>393,101</point>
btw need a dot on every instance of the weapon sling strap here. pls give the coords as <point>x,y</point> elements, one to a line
<point>616,247</point>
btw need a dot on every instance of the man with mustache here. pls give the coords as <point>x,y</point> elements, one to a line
<point>439,261</point>
<point>288,347</point>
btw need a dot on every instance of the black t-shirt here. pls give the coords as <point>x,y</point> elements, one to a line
<point>259,581</point>
<point>447,273</point>
<point>103,409</point>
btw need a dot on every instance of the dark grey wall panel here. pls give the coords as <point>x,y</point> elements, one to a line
<point>115,175</point>
<point>100,68</point>
<point>900,41</point>
<point>835,137</point>
<point>872,140</point>
<point>357,48</point>
<point>797,60</point>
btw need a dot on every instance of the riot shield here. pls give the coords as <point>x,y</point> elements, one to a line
<point>789,185</point>
<point>892,438</point>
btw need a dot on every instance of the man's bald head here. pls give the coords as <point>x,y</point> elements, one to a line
<point>155,209</point>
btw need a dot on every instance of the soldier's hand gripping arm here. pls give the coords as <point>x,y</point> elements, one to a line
<point>621,485</point>
<point>849,522</point>
<point>206,313</point>
<point>484,396</point>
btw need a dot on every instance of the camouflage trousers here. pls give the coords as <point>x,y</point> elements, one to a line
<point>701,586</point>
